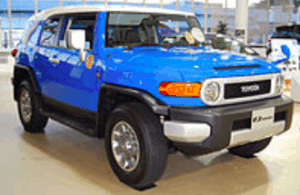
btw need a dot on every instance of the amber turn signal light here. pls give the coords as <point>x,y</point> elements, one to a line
<point>180,89</point>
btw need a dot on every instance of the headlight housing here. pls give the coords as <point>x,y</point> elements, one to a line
<point>211,92</point>
<point>279,84</point>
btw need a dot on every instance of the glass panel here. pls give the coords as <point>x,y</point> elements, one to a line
<point>34,37</point>
<point>149,29</point>
<point>80,22</point>
<point>49,35</point>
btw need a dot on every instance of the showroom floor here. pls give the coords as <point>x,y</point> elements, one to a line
<point>63,161</point>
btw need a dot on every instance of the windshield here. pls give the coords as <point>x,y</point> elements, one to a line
<point>152,29</point>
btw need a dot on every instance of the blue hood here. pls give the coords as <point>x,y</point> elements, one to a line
<point>146,67</point>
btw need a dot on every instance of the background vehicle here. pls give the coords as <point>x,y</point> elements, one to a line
<point>286,32</point>
<point>227,42</point>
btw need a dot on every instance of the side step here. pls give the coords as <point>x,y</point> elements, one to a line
<point>84,126</point>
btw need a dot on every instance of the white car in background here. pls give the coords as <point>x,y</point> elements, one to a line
<point>287,35</point>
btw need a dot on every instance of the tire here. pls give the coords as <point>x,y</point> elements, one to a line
<point>248,150</point>
<point>29,109</point>
<point>153,146</point>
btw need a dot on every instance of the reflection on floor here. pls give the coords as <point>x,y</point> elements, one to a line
<point>63,161</point>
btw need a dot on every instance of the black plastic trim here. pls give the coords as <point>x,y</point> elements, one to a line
<point>18,77</point>
<point>31,74</point>
<point>104,107</point>
<point>61,107</point>
<point>155,104</point>
<point>221,121</point>
<point>236,67</point>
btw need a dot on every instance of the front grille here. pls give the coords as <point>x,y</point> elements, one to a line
<point>238,90</point>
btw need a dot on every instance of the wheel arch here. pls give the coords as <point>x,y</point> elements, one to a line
<point>110,96</point>
<point>22,73</point>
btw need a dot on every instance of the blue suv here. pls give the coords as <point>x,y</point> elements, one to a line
<point>142,79</point>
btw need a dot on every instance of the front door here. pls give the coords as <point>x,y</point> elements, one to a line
<point>79,80</point>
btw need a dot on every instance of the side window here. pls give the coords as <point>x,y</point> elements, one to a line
<point>50,32</point>
<point>33,39</point>
<point>85,22</point>
<point>30,26</point>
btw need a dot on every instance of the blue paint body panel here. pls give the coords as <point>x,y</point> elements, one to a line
<point>141,68</point>
<point>146,67</point>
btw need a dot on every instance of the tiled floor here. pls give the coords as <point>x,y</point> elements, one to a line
<point>63,161</point>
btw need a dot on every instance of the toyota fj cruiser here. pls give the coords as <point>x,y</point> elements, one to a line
<point>142,79</point>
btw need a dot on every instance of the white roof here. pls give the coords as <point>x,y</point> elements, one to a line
<point>98,8</point>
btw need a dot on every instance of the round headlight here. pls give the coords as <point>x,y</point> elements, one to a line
<point>279,84</point>
<point>211,92</point>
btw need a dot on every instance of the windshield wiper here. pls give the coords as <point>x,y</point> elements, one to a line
<point>132,45</point>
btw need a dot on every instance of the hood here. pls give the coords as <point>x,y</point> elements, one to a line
<point>191,64</point>
<point>146,68</point>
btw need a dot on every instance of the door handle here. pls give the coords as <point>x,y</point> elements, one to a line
<point>54,60</point>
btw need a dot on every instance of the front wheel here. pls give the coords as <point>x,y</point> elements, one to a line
<point>248,150</point>
<point>135,145</point>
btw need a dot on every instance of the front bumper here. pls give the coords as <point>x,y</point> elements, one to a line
<point>203,130</point>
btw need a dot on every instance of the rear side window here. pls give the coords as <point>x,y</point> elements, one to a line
<point>51,31</point>
<point>30,26</point>
<point>33,39</point>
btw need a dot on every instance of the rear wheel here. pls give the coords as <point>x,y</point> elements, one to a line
<point>135,145</point>
<point>248,150</point>
<point>28,107</point>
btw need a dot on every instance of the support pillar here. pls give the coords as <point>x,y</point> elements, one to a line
<point>242,18</point>
<point>161,5</point>
<point>177,8</point>
<point>36,6</point>
<point>193,6</point>
<point>10,27</point>
<point>268,20</point>
<point>206,16</point>
<point>0,35</point>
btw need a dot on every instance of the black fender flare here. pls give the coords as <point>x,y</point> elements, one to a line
<point>146,98</point>
<point>19,75</point>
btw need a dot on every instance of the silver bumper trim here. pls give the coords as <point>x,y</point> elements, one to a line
<point>198,132</point>
<point>248,135</point>
<point>186,132</point>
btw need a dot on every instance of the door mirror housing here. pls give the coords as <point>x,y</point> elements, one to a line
<point>76,40</point>
<point>287,52</point>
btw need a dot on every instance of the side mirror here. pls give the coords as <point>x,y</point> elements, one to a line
<point>287,52</point>
<point>76,40</point>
